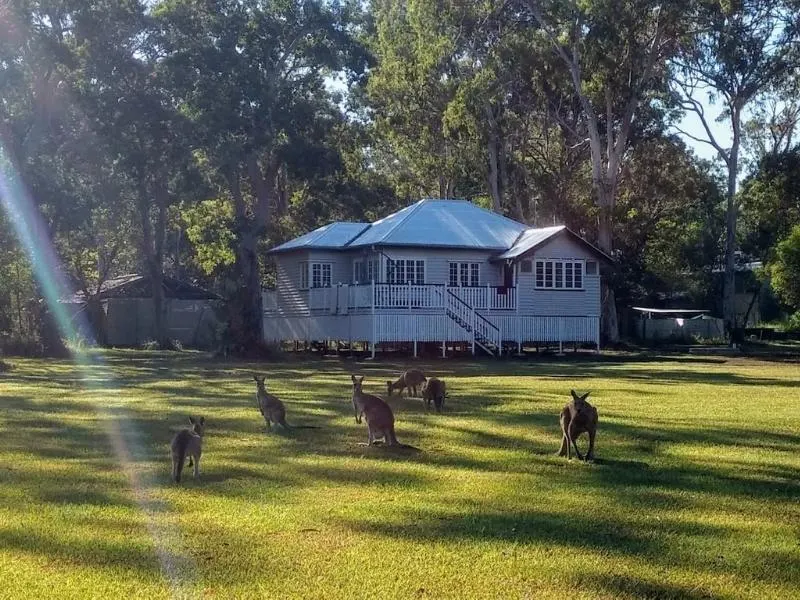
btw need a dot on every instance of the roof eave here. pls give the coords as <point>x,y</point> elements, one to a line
<point>428,246</point>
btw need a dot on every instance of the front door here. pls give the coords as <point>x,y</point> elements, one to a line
<point>508,275</point>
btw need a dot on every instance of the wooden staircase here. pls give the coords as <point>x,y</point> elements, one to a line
<point>485,334</point>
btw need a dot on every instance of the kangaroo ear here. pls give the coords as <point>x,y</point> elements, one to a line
<point>202,420</point>
<point>574,394</point>
<point>191,420</point>
<point>585,396</point>
<point>361,380</point>
<point>353,377</point>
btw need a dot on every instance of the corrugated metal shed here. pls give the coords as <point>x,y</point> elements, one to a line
<point>442,223</point>
<point>330,236</point>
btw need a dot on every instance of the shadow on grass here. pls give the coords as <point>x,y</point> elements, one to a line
<point>94,552</point>
<point>624,586</point>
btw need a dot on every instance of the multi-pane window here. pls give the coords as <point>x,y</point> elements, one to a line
<point>365,271</point>
<point>465,274</point>
<point>559,274</point>
<point>321,274</point>
<point>405,270</point>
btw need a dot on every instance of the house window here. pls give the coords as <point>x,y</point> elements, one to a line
<point>465,274</point>
<point>365,271</point>
<point>304,275</point>
<point>559,274</point>
<point>321,274</point>
<point>404,270</point>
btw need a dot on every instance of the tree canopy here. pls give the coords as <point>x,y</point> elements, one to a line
<point>185,137</point>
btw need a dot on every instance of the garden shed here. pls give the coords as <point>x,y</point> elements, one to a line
<point>127,317</point>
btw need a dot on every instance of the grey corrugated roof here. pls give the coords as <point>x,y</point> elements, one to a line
<point>535,237</point>
<point>332,235</point>
<point>444,223</point>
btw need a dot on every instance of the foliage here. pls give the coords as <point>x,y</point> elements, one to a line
<point>770,202</point>
<point>785,269</point>
<point>669,224</point>
<point>738,53</point>
<point>209,227</point>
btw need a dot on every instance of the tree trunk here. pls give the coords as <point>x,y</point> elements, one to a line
<point>246,310</point>
<point>494,176</point>
<point>493,150</point>
<point>153,249</point>
<point>245,314</point>
<point>609,323</point>
<point>729,283</point>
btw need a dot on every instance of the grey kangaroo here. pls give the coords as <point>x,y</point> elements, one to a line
<point>271,408</point>
<point>187,442</point>
<point>408,380</point>
<point>379,416</point>
<point>435,391</point>
<point>577,417</point>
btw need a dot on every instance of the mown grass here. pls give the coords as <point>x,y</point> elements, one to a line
<point>695,492</point>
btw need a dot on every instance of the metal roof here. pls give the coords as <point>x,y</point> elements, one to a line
<point>442,223</point>
<point>536,237</point>
<point>330,236</point>
<point>670,311</point>
<point>137,285</point>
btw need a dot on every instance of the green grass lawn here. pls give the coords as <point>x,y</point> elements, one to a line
<point>694,494</point>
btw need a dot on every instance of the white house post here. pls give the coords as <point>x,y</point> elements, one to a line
<point>374,323</point>
<point>473,332</point>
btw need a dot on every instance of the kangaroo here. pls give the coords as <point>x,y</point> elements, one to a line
<point>435,391</point>
<point>271,408</point>
<point>379,416</point>
<point>408,380</point>
<point>577,416</point>
<point>187,442</point>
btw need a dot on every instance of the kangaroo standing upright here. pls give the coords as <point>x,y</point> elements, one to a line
<point>408,380</point>
<point>379,416</point>
<point>435,391</point>
<point>577,416</point>
<point>272,409</point>
<point>187,442</point>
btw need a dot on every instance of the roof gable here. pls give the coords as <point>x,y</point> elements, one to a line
<point>534,238</point>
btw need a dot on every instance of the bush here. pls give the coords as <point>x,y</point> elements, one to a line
<point>792,324</point>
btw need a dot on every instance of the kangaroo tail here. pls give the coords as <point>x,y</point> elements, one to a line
<point>288,426</point>
<point>178,458</point>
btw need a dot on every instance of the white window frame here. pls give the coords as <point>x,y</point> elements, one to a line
<point>392,268</point>
<point>468,273</point>
<point>304,271</point>
<point>563,271</point>
<point>323,266</point>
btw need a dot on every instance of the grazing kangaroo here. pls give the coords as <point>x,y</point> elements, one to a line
<point>408,380</point>
<point>577,416</point>
<point>271,408</point>
<point>379,416</point>
<point>187,442</point>
<point>435,391</point>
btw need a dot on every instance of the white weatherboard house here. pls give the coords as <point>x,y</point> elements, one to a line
<point>444,271</point>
